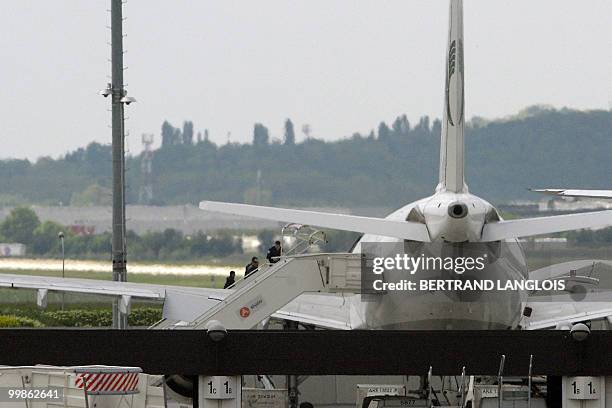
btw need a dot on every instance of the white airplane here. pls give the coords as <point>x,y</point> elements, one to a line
<point>450,217</point>
<point>560,192</point>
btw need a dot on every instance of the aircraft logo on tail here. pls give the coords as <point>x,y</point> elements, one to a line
<point>454,62</point>
<point>451,59</point>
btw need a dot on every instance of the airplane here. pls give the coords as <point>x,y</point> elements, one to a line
<point>452,217</point>
<point>560,192</point>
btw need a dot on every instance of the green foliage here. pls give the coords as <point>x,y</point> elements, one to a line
<point>384,133</point>
<point>45,239</point>
<point>18,321</point>
<point>266,239</point>
<point>12,200</point>
<point>19,226</point>
<point>188,132</point>
<point>92,195</point>
<point>170,134</point>
<point>145,316</point>
<point>79,246</point>
<point>169,245</point>
<point>289,133</point>
<point>200,245</point>
<point>261,135</point>
<point>389,167</point>
<point>340,241</point>
<point>78,318</point>
<point>22,226</point>
<point>337,241</point>
<point>141,316</point>
<point>590,237</point>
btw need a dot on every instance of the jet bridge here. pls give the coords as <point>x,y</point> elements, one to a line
<point>273,286</point>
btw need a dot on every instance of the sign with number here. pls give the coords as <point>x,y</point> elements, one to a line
<point>258,398</point>
<point>365,390</point>
<point>219,387</point>
<point>583,388</point>
<point>488,391</point>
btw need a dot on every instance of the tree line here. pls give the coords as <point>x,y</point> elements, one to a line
<point>22,225</point>
<point>388,166</point>
<point>171,135</point>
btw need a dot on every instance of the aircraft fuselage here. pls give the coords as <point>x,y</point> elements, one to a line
<point>454,221</point>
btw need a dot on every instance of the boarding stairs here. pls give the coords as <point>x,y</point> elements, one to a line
<point>273,286</point>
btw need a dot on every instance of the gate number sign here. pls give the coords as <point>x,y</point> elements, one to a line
<point>220,387</point>
<point>583,388</point>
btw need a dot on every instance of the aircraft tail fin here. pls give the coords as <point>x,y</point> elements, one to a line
<point>452,138</point>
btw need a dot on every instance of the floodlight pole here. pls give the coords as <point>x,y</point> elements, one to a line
<point>119,256</point>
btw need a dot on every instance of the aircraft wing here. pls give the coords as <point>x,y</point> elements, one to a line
<point>413,231</point>
<point>326,310</point>
<point>182,303</point>
<point>94,286</point>
<point>575,193</point>
<point>555,314</point>
<point>588,296</point>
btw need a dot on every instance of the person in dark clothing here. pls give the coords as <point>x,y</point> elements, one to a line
<point>231,279</point>
<point>274,252</point>
<point>252,267</point>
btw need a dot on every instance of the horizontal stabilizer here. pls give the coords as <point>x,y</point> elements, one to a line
<point>496,231</point>
<point>575,193</point>
<point>366,225</point>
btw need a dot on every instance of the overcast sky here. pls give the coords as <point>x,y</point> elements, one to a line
<point>341,65</point>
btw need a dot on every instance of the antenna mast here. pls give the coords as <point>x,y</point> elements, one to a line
<point>119,98</point>
<point>146,168</point>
